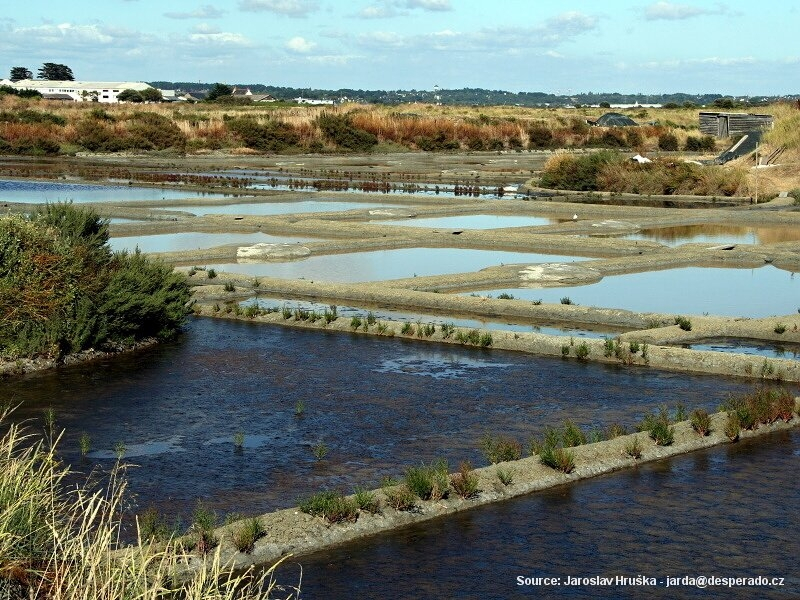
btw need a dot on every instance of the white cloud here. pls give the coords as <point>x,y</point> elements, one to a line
<point>290,8</point>
<point>694,62</point>
<point>65,33</point>
<point>669,11</point>
<point>300,45</point>
<point>377,12</point>
<point>431,5</point>
<point>221,38</point>
<point>205,28</point>
<point>206,11</point>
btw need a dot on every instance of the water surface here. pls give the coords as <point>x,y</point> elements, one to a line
<point>761,292</point>
<point>474,221</point>
<point>172,242</point>
<point>46,191</point>
<point>280,208</point>
<point>718,234</point>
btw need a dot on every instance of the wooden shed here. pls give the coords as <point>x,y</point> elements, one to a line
<point>722,124</point>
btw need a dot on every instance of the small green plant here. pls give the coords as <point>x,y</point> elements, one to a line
<point>286,312</point>
<point>733,426</point>
<point>465,482</point>
<point>299,408</point>
<point>216,308</point>
<point>505,296</point>
<point>566,300</point>
<point>152,526</point>
<point>572,435</point>
<point>245,536</point>
<point>558,458</point>
<point>680,412</point>
<point>645,353</point>
<point>204,520</point>
<point>486,340</point>
<point>701,421</point>
<point>331,314</point>
<point>319,450</point>
<point>252,311</point>
<point>582,351</point>
<point>659,428</point>
<point>565,350</point>
<point>634,347</point>
<point>367,501</point>
<point>407,329</point>
<point>767,369</point>
<point>447,330</point>
<point>119,450</point>
<point>191,272</point>
<point>229,287</point>
<point>399,497</point>
<point>608,347</point>
<point>419,328</point>
<point>780,328</point>
<point>501,448</point>
<point>371,318</point>
<point>634,448</point>
<point>85,443</point>
<point>506,476</point>
<point>211,274</point>
<point>428,482</point>
<point>537,302</point>
<point>238,440</point>
<point>382,328</point>
<point>331,506</point>
<point>355,322</point>
<point>684,323</point>
<point>430,329</point>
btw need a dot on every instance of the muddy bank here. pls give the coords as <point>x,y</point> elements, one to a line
<point>293,532</point>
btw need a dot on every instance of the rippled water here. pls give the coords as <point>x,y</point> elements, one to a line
<point>693,290</point>
<point>727,511</point>
<point>379,405</point>
<point>753,347</point>
<point>280,208</point>
<point>474,221</point>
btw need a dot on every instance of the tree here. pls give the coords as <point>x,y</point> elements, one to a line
<point>129,95</point>
<point>151,95</point>
<point>55,72</point>
<point>218,90</point>
<point>20,73</point>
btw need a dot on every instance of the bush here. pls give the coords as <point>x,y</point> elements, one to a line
<point>582,351</point>
<point>340,130</point>
<point>367,501</point>
<point>572,435</point>
<point>667,142</point>
<point>399,497</point>
<point>634,448</point>
<point>465,482</point>
<point>273,136</point>
<point>499,449</point>
<point>659,428</point>
<point>684,323</point>
<point>204,520</point>
<point>64,290</point>
<point>701,422</point>
<point>247,533</point>
<point>558,458</point>
<point>331,506</point>
<point>151,131</point>
<point>428,482</point>
<point>578,173</point>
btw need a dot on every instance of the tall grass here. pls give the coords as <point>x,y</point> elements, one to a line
<point>60,542</point>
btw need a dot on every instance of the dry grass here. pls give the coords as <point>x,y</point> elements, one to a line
<point>65,545</point>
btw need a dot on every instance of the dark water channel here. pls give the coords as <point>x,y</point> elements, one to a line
<point>725,512</point>
<point>379,405</point>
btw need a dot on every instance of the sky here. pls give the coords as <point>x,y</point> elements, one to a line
<point>557,46</point>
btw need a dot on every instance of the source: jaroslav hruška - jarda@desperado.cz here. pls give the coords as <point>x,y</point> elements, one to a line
<point>643,580</point>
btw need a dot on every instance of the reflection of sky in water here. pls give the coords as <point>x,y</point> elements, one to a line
<point>413,317</point>
<point>752,347</point>
<point>40,192</point>
<point>717,234</point>
<point>169,242</point>
<point>473,222</point>
<point>389,264</point>
<point>693,290</point>
<point>151,448</point>
<point>278,208</point>
<point>436,364</point>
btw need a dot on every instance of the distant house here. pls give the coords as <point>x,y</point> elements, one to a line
<point>239,92</point>
<point>80,91</point>
<point>722,124</point>
<point>301,100</point>
<point>262,98</point>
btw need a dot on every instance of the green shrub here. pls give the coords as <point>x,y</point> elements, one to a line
<point>578,173</point>
<point>465,482</point>
<point>634,448</point>
<point>566,300</point>
<point>572,435</point>
<point>211,274</point>
<point>367,501</point>
<point>204,520</point>
<point>558,458</point>
<point>684,323</point>
<point>247,533</point>
<point>428,482</point>
<point>506,476</point>
<point>659,428</point>
<point>399,497</point>
<point>272,136</point>
<point>340,130</point>
<point>331,506</point>
<point>447,330</point>
<point>582,351</point>
<point>407,329</point>
<point>615,430</point>
<point>701,421</point>
<point>733,426</point>
<point>780,328</point>
<point>229,287</point>
<point>667,142</point>
<point>355,322</point>
<point>499,449</point>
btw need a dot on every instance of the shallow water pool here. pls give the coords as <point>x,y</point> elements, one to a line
<point>45,191</point>
<point>171,242</point>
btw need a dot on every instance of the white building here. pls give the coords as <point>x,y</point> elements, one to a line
<point>301,100</point>
<point>80,91</point>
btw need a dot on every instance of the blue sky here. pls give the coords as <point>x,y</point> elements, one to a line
<point>696,46</point>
